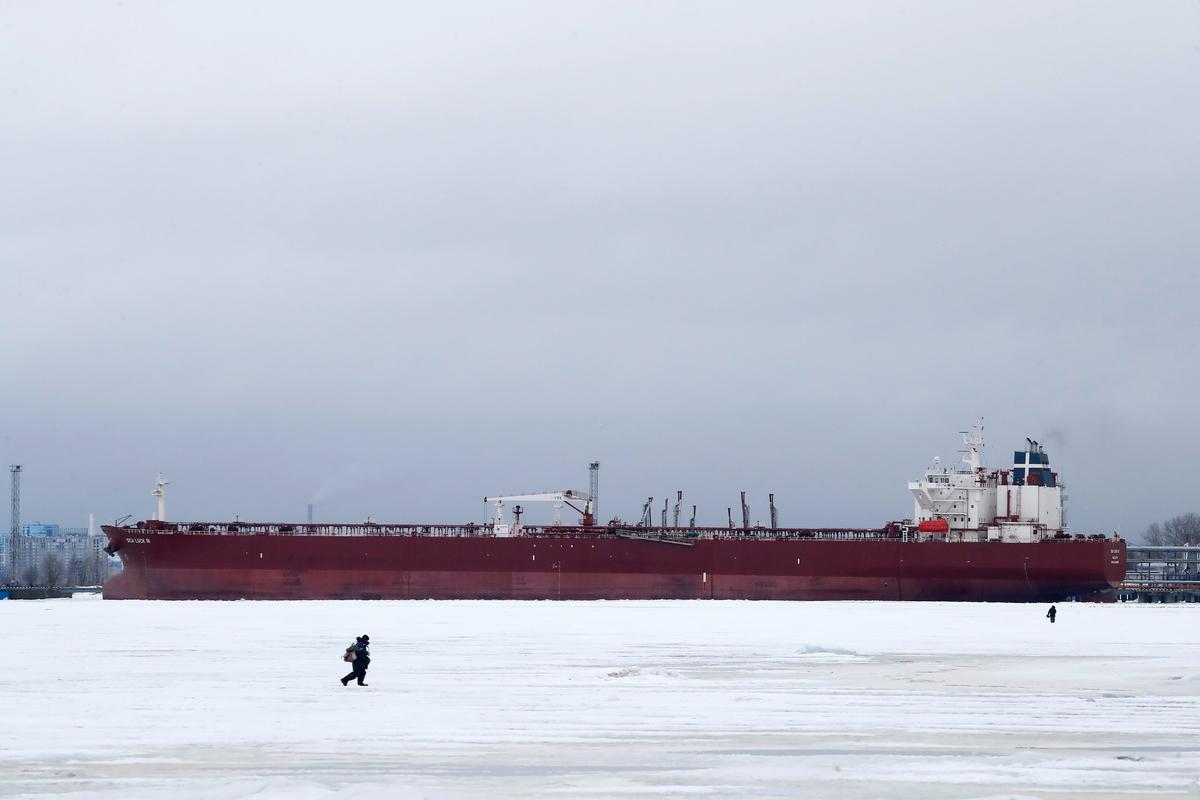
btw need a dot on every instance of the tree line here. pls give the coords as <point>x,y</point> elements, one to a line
<point>54,570</point>
<point>1179,531</point>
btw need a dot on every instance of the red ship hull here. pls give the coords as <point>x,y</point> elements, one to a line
<point>593,566</point>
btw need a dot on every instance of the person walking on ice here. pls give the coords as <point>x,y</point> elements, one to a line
<point>360,658</point>
<point>1051,614</point>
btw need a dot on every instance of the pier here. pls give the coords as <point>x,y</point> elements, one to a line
<point>1161,575</point>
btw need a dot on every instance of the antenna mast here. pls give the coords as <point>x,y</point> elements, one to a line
<point>973,440</point>
<point>15,545</point>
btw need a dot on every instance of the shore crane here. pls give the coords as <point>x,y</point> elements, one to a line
<point>565,497</point>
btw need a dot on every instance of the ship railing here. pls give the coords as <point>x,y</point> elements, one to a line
<point>321,529</point>
<point>483,529</point>
<point>1161,576</point>
<point>727,534</point>
<point>821,534</point>
<point>889,533</point>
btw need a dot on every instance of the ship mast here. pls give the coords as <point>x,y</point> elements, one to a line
<point>973,440</point>
<point>160,491</point>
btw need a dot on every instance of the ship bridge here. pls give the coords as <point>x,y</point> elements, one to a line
<point>972,502</point>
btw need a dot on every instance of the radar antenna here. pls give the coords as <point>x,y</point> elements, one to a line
<point>973,440</point>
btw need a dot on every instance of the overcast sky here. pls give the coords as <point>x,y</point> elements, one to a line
<point>396,257</point>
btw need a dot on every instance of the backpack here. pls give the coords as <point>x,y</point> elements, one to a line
<point>349,655</point>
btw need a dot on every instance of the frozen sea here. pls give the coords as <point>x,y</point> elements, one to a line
<point>603,699</point>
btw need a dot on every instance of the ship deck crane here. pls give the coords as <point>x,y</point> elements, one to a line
<point>565,497</point>
<point>646,512</point>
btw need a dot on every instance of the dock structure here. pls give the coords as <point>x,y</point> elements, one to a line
<point>1161,575</point>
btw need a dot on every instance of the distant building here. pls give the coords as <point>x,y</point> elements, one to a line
<point>44,529</point>
<point>47,553</point>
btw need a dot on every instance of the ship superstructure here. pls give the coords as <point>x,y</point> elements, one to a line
<point>974,504</point>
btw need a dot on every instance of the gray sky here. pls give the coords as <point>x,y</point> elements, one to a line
<point>397,257</point>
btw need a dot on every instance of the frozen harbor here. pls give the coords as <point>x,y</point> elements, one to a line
<point>605,699</point>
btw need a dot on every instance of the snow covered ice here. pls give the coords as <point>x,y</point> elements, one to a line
<point>605,699</point>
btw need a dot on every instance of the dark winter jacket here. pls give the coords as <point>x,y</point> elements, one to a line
<point>362,657</point>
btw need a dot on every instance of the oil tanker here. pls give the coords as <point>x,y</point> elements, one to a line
<point>976,534</point>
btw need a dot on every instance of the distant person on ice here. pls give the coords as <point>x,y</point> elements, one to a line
<point>1051,614</point>
<point>360,661</point>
